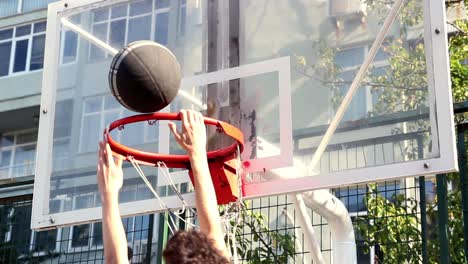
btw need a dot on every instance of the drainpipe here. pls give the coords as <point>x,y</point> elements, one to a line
<point>328,206</point>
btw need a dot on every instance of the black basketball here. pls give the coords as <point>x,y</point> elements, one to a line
<point>144,76</point>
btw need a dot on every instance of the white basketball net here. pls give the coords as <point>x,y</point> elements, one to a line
<point>231,212</point>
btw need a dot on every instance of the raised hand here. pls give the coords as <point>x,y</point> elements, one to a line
<point>109,172</point>
<point>192,138</point>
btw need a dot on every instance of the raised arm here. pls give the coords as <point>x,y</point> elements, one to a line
<point>193,140</point>
<point>110,180</point>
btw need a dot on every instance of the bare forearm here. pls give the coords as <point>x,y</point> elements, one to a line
<point>205,196</point>
<point>206,203</point>
<point>115,241</point>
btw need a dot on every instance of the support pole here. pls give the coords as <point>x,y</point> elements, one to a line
<point>462,165</point>
<point>163,234</point>
<point>149,243</point>
<point>340,112</point>
<point>422,205</point>
<point>442,213</point>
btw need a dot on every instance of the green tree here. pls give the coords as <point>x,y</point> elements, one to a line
<point>257,243</point>
<point>389,224</point>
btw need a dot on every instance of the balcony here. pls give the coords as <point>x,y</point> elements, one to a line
<point>16,171</point>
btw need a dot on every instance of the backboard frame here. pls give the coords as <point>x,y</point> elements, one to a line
<point>439,76</point>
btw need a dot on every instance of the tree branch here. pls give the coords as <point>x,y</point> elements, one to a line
<point>460,30</point>
<point>363,83</point>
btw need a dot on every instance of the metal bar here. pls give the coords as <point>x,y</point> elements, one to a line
<point>356,82</point>
<point>77,29</point>
<point>461,107</point>
<point>149,243</point>
<point>422,205</point>
<point>461,130</point>
<point>162,237</point>
<point>442,213</point>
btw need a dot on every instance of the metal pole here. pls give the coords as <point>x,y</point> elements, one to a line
<point>442,213</point>
<point>393,13</point>
<point>422,205</point>
<point>150,238</point>
<point>461,129</point>
<point>88,36</point>
<point>162,236</point>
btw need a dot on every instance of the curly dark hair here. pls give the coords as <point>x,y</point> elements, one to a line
<point>192,247</point>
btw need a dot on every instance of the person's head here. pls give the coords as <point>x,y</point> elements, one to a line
<point>192,247</point>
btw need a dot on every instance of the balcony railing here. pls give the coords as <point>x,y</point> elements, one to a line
<point>14,7</point>
<point>15,171</point>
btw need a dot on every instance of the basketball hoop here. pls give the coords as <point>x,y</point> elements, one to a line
<point>222,162</point>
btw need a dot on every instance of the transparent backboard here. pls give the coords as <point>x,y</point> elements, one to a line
<point>282,71</point>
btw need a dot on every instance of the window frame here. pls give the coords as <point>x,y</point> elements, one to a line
<point>14,40</point>
<point>64,31</point>
<point>127,17</point>
<point>102,117</point>
<point>30,37</point>
<point>369,106</point>
<point>13,149</point>
<point>90,238</point>
<point>41,253</point>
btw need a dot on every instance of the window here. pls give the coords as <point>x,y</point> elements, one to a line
<point>13,7</point>
<point>100,111</point>
<point>350,60</point>
<point>123,24</point>
<point>8,7</point>
<point>15,227</point>
<point>22,48</point>
<point>87,235</point>
<point>182,19</point>
<point>136,227</point>
<point>69,46</point>
<point>17,154</point>
<point>62,134</point>
<point>44,241</point>
<point>90,235</point>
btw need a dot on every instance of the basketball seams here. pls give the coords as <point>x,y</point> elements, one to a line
<point>148,73</point>
<point>153,60</point>
<point>113,77</point>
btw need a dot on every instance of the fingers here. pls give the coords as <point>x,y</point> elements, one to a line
<point>185,120</point>
<point>119,160</point>
<point>102,157</point>
<point>100,160</point>
<point>191,117</point>
<point>176,134</point>
<point>108,155</point>
<point>199,118</point>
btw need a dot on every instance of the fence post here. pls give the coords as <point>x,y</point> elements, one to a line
<point>162,236</point>
<point>461,129</point>
<point>150,238</point>
<point>442,213</point>
<point>422,204</point>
